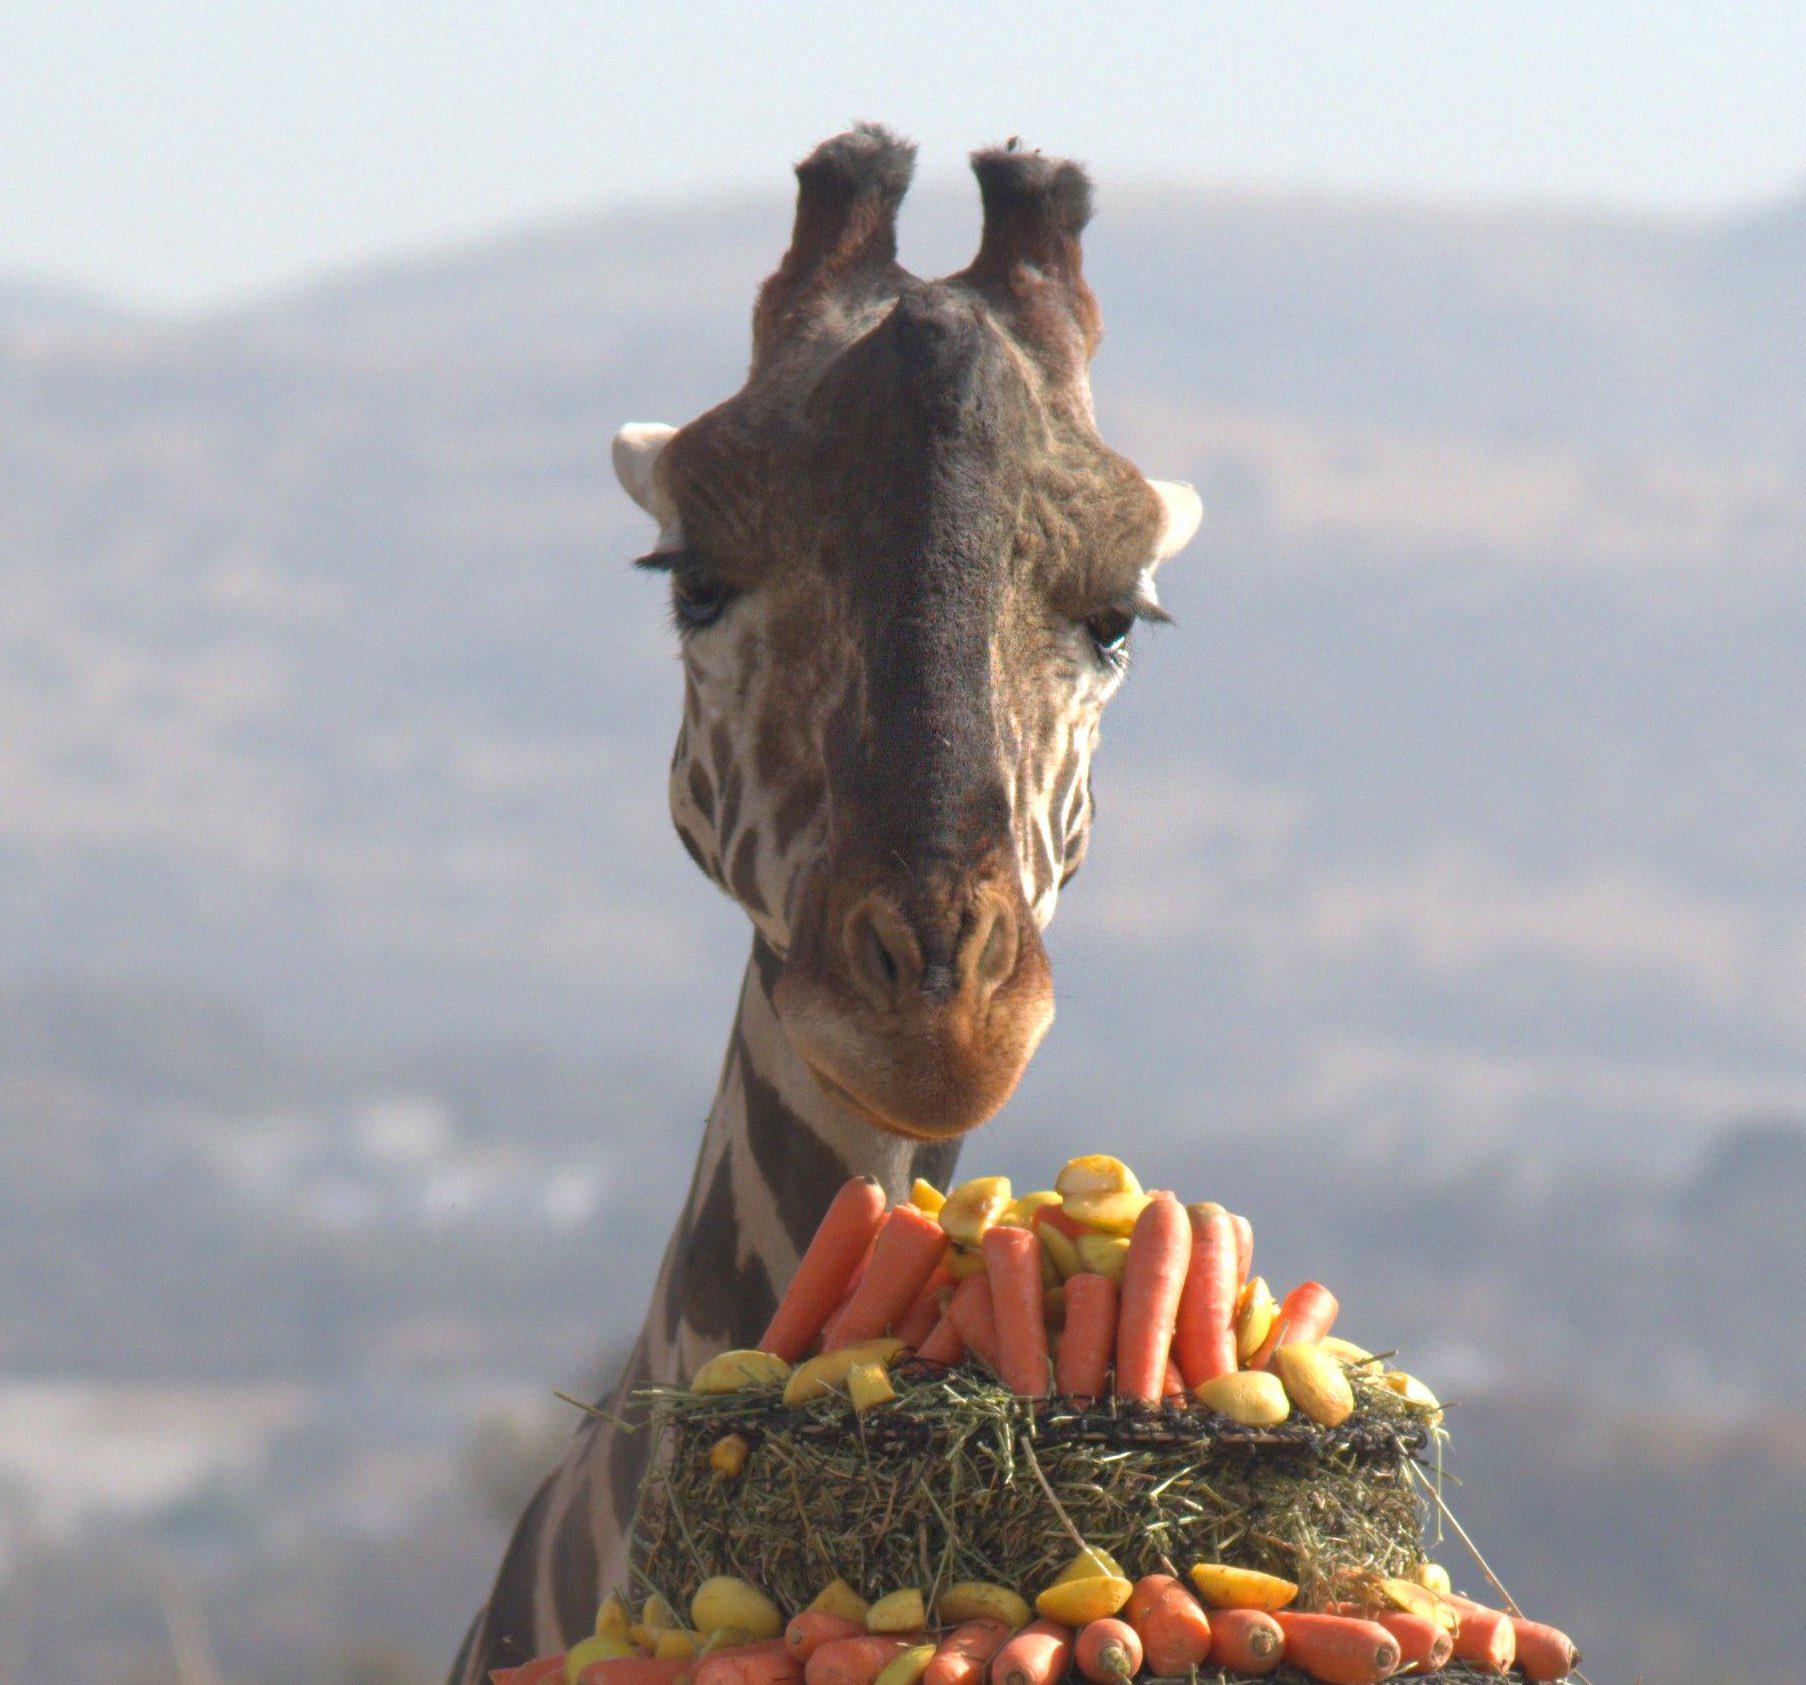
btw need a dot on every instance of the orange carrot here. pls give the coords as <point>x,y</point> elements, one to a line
<point>632,1670</point>
<point>1152,1279</point>
<point>1338,1649</point>
<point>906,1253</point>
<point>1061,1219</point>
<point>1108,1651</point>
<point>1544,1652</point>
<point>1174,1384</point>
<point>845,1231</point>
<point>749,1664</point>
<point>1423,1644</point>
<point>727,1665</point>
<point>810,1630</point>
<point>965,1653</point>
<point>1245,1641</point>
<point>1484,1639</point>
<point>944,1345</point>
<point>1244,1248</point>
<point>1175,1631</point>
<point>852,1661</point>
<point>1141,1599</point>
<point>1306,1313</point>
<point>1089,1336</point>
<point>1013,1262</point>
<point>535,1672</point>
<point>975,1319</point>
<point>1204,1339</point>
<point>917,1323</point>
<point>1037,1655</point>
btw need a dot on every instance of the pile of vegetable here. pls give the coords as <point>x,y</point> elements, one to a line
<point>1092,1619</point>
<point>1010,1420</point>
<point>1090,1289</point>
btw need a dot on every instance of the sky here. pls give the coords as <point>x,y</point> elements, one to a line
<point>174,154</point>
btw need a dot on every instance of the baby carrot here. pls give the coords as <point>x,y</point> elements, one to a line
<point>845,1231</point>
<point>1013,1262</point>
<point>852,1661</point>
<point>1306,1313</point>
<point>1338,1649</point>
<point>1037,1655</point>
<point>1245,1641</point>
<point>1485,1639</point>
<point>1204,1338</point>
<point>917,1323</point>
<point>1544,1652</point>
<point>975,1319</point>
<point>1107,1651</point>
<point>1089,1337</point>
<point>906,1253</point>
<point>943,1345</point>
<point>965,1653</point>
<point>1175,1631</point>
<point>810,1630</point>
<point>1152,1280</point>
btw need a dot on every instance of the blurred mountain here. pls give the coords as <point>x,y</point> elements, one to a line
<point>1462,799</point>
<point>1447,907</point>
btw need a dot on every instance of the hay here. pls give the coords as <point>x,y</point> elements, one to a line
<point>952,1481</point>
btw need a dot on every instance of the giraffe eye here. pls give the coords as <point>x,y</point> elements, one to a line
<point>697,601</point>
<point>1109,633</point>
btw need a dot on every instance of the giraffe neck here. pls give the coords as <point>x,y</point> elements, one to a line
<point>775,1152</point>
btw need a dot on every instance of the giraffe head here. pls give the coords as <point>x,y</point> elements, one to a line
<point>904,569</point>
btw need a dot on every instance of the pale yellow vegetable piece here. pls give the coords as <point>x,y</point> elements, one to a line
<point>728,1454</point>
<point>897,1611</point>
<point>962,1261</point>
<point>1057,1248</point>
<point>1103,1254</point>
<point>1074,1603</point>
<point>656,1613</point>
<point>738,1370</point>
<point>926,1197</point>
<point>1412,1598</point>
<point>868,1384</point>
<point>907,1666</point>
<point>1020,1213</point>
<point>724,1600</point>
<point>1415,1394</point>
<point>839,1598</point>
<point>1101,1192</point>
<point>982,1600</point>
<point>1254,1397</point>
<point>1433,1577</point>
<point>821,1375</point>
<point>1092,1560</point>
<point>1224,1587</point>
<point>612,1618</point>
<point>973,1207</point>
<point>1345,1351</point>
<point>1254,1313</point>
<point>1315,1382</point>
<point>724,1638</point>
<point>587,1651</point>
<point>675,1645</point>
<point>646,1637</point>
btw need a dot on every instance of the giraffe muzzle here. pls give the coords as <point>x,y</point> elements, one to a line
<point>921,1024</point>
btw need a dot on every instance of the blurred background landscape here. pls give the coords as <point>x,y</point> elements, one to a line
<point>1446,910</point>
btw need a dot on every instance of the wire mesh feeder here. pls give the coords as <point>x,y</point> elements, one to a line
<point>957,1479</point>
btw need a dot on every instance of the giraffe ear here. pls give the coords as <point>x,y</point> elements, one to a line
<point>637,448</point>
<point>1181,509</point>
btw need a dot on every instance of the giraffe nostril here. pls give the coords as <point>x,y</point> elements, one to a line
<point>881,955</point>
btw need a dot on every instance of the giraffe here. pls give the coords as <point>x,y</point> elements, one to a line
<point>904,570</point>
